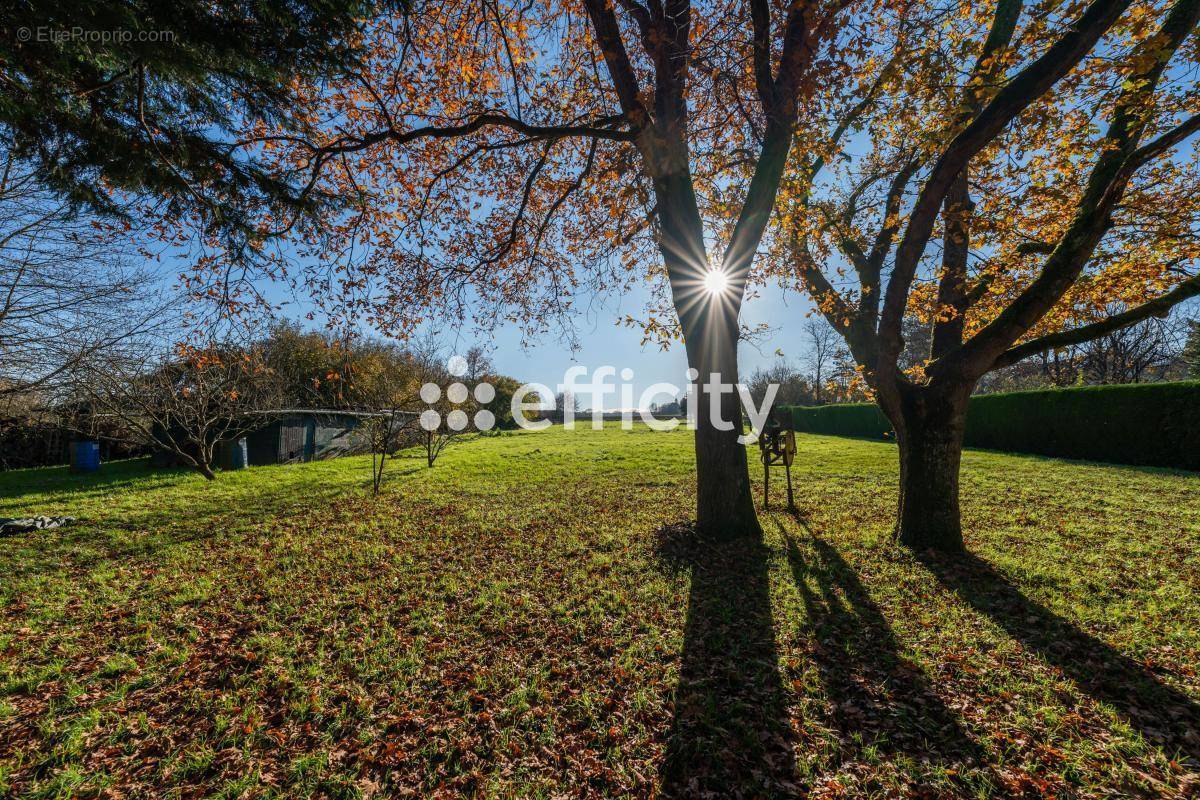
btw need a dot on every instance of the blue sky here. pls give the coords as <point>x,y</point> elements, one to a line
<point>602,342</point>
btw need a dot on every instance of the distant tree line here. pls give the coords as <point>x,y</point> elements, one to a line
<point>1150,351</point>
<point>187,399</point>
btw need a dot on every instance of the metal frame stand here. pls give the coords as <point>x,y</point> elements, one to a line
<point>777,446</point>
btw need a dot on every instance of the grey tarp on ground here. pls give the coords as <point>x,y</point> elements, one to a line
<point>25,524</point>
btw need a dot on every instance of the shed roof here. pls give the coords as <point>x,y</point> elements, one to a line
<point>279,412</point>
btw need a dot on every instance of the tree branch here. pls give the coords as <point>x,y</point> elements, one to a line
<point>821,290</point>
<point>957,206</point>
<point>574,186</point>
<point>869,279</point>
<point>1018,94</point>
<point>1093,214</point>
<point>600,129</point>
<point>1165,141</point>
<point>1159,307</point>
<point>764,80</point>
<point>616,57</point>
<point>799,48</point>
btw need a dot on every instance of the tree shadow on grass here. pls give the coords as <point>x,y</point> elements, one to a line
<point>1164,715</point>
<point>60,551</point>
<point>731,735</point>
<point>878,699</point>
<point>62,482</point>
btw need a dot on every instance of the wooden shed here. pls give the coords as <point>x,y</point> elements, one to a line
<point>284,436</point>
<point>307,434</point>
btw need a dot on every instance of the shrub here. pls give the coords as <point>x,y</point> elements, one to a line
<point>1152,424</point>
<point>851,419</point>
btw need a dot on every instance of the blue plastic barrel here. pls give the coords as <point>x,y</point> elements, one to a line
<point>235,454</point>
<point>85,456</point>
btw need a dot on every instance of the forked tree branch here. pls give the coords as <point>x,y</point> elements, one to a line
<point>1093,214</point>
<point>1020,92</point>
<point>799,49</point>
<point>869,279</point>
<point>616,58</point>
<point>957,205</point>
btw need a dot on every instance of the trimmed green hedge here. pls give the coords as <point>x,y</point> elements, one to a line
<point>1151,424</point>
<point>864,420</point>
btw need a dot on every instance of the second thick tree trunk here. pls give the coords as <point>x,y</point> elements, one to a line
<point>929,431</point>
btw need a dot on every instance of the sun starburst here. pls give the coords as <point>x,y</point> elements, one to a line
<point>716,281</point>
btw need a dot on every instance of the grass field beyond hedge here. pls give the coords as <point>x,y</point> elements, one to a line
<point>518,621</point>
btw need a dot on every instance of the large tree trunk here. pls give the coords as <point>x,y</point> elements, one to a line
<point>724,503</point>
<point>929,430</point>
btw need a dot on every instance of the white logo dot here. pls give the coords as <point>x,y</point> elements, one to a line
<point>457,366</point>
<point>485,393</point>
<point>485,420</point>
<point>430,419</point>
<point>456,420</point>
<point>431,393</point>
<point>457,393</point>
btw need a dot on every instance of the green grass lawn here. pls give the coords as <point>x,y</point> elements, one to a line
<point>514,622</point>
